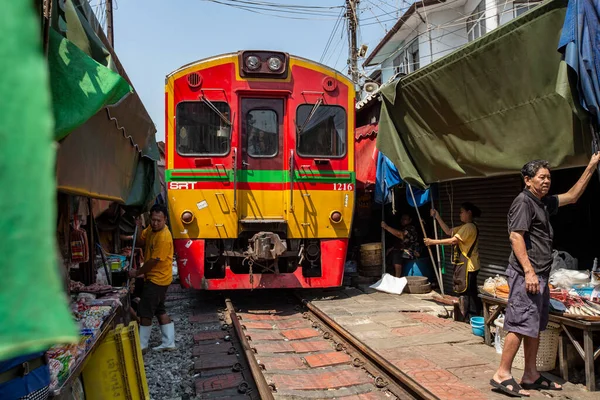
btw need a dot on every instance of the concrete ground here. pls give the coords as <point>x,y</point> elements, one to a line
<point>417,335</point>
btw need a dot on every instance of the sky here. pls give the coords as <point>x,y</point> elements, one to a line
<point>154,37</point>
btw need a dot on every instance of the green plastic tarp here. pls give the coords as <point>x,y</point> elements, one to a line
<point>34,312</point>
<point>107,149</point>
<point>487,108</point>
<point>80,86</point>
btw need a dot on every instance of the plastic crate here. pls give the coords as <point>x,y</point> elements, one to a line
<point>547,351</point>
<point>116,368</point>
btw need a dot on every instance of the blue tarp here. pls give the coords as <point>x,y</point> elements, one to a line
<point>387,177</point>
<point>580,44</point>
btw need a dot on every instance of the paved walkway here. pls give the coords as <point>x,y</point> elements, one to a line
<point>442,355</point>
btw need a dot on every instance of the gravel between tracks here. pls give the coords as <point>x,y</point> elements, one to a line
<point>170,374</point>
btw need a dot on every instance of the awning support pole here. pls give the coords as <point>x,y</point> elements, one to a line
<point>437,248</point>
<point>435,269</point>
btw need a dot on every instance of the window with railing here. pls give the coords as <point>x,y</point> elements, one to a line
<point>476,22</point>
<point>407,60</point>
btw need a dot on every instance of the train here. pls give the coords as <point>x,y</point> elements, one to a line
<point>259,171</point>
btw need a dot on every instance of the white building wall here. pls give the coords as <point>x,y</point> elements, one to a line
<point>443,35</point>
<point>445,31</point>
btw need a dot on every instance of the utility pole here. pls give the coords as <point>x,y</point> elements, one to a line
<point>352,15</point>
<point>109,23</point>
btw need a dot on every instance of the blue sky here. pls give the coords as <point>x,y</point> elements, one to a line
<point>155,37</point>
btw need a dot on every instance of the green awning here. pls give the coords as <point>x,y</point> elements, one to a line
<point>80,86</point>
<point>487,108</point>
<point>107,148</point>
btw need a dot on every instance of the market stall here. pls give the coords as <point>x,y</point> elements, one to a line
<point>96,309</point>
<point>574,308</point>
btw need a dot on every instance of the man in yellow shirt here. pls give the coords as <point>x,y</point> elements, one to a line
<point>157,242</point>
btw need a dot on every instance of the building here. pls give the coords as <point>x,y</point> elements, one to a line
<point>431,29</point>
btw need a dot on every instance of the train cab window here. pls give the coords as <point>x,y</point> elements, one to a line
<point>201,130</point>
<point>263,133</point>
<point>321,131</point>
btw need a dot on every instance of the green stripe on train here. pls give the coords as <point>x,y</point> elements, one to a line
<point>257,176</point>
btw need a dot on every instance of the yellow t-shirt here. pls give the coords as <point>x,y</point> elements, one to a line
<point>159,245</point>
<point>466,235</point>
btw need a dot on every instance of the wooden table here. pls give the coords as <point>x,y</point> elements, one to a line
<point>588,352</point>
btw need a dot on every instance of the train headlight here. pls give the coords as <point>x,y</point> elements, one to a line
<point>187,217</point>
<point>252,63</point>
<point>335,217</point>
<point>275,63</point>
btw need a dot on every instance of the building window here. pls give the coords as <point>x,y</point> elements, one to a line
<point>521,7</point>
<point>476,22</point>
<point>323,132</point>
<point>201,131</point>
<point>407,60</point>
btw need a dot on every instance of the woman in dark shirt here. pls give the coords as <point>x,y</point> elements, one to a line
<point>406,245</point>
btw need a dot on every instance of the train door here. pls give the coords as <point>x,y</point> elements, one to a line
<point>262,176</point>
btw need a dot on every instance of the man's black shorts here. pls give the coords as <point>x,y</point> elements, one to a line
<point>152,301</point>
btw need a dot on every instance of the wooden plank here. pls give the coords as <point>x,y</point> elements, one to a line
<point>563,357</point>
<point>590,376</point>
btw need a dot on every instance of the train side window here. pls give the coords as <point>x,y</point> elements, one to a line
<point>321,131</point>
<point>263,133</point>
<point>200,131</point>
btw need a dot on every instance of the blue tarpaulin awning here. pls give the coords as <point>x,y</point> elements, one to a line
<point>387,177</point>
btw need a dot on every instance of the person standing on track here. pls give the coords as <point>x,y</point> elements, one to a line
<point>529,265</point>
<point>158,274</point>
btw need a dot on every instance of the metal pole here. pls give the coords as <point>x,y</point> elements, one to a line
<point>109,23</point>
<point>132,254</point>
<point>425,235</point>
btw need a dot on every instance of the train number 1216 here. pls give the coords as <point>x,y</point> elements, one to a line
<point>343,186</point>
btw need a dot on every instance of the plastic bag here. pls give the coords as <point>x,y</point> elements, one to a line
<point>566,278</point>
<point>390,284</point>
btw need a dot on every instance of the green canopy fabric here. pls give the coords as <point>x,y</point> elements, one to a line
<point>487,108</point>
<point>34,311</point>
<point>80,85</point>
<point>107,148</point>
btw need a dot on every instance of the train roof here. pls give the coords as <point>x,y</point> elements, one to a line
<point>225,55</point>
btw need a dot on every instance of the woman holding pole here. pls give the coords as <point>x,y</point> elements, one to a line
<point>465,257</point>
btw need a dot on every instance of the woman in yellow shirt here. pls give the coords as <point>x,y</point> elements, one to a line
<point>466,238</point>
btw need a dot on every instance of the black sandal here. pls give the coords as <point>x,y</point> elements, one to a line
<point>541,383</point>
<point>503,387</point>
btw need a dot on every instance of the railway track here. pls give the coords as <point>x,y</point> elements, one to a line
<point>282,347</point>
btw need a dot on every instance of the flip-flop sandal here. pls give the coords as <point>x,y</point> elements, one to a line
<point>541,383</point>
<point>503,387</point>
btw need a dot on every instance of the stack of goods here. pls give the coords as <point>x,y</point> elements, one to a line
<point>78,287</point>
<point>90,314</point>
<point>497,287</point>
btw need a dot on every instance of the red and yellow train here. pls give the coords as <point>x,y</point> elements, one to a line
<point>260,171</point>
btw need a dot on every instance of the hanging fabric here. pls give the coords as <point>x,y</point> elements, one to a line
<point>79,243</point>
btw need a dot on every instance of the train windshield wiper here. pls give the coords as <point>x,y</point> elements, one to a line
<point>310,115</point>
<point>216,110</point>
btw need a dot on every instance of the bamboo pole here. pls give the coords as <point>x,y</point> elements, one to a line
<point>435,269</point>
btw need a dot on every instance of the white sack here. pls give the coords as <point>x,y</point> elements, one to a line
<point>390,284</point>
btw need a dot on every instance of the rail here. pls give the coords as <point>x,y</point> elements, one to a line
<point>264,390</point>
<point>402,380</point>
